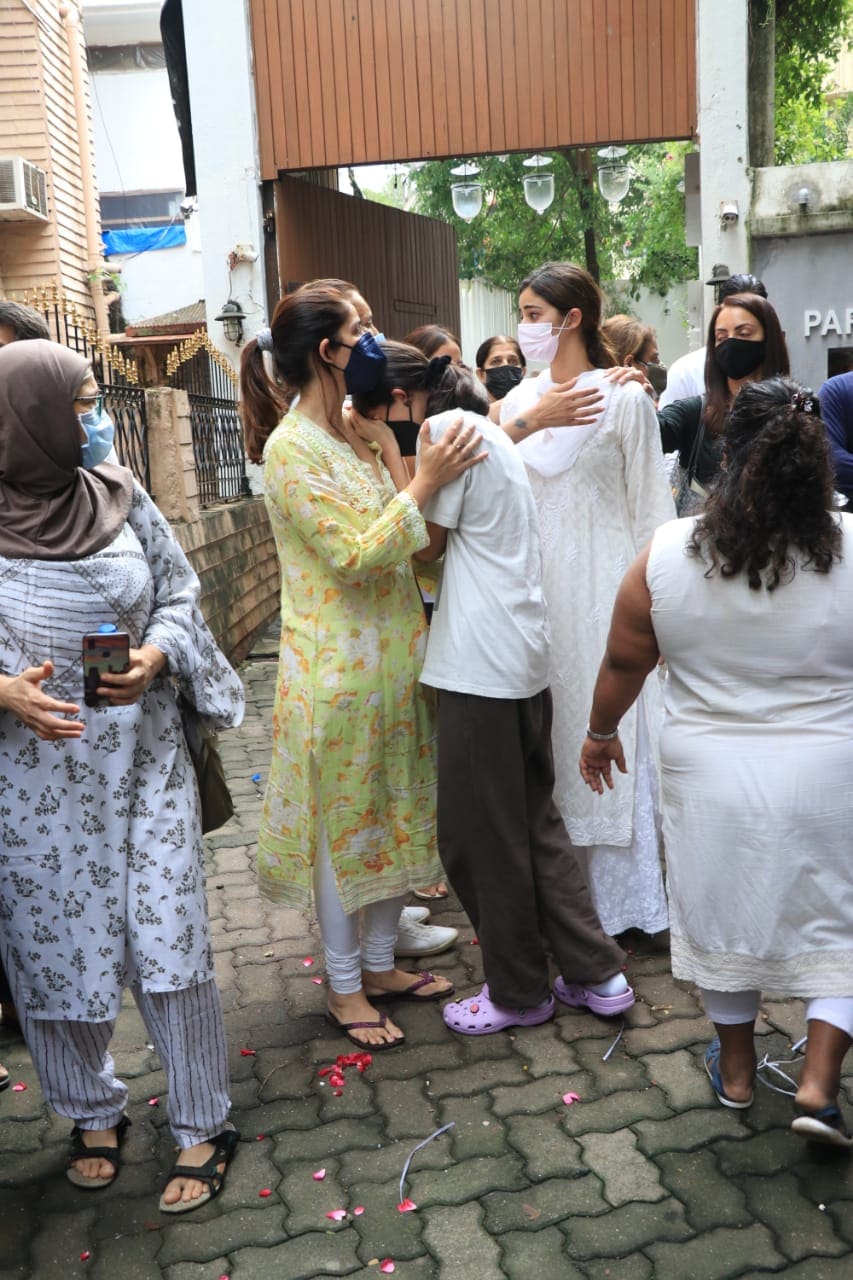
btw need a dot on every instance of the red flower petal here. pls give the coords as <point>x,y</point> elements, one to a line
<point>85,1255</point>
<point>358,1211</point>
<point>318,1175</point>
<point>338,1093</point>
<point>153,1102</point>
<point>19,1087</point>
<point>337,1215</point>
<point>264,1193</point>
<point>325,1071</point>
<point>406,1206</point>
<point>247,1053</point>
<point>387,1266</point>
<point>318,982</point>
<point>475,942</point>
<point>260,1137</point>
<point>569,1098</point>
<point>307,962</point>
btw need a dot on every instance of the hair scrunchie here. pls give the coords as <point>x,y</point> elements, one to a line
<point>805,401</point>
<point>435,371</point>
<point>264,339</point>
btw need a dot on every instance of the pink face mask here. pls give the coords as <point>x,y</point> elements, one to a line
<point>538,341</point>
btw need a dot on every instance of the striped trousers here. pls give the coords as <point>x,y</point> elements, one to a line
<point>77,1072</point>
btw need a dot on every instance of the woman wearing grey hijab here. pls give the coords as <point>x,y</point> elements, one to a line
<point>101,879</point>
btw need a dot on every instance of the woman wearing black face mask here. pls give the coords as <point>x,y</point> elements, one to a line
<point>500,367</point>
<point>745,344</point>
<point>349,811</point>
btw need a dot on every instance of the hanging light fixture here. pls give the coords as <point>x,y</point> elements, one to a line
<point>232,316</point>
<point>467,196</point>
<point>538,187</point>
<point>614,178</point>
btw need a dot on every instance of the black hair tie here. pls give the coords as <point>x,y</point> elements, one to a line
<point>435,372</point>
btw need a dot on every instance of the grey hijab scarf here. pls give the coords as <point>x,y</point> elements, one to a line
<point>51,509</point>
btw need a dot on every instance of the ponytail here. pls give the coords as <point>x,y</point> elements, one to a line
<point>262,403</point>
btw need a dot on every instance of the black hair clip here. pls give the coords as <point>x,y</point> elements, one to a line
<point>435,372</point>
<point>805,401</point>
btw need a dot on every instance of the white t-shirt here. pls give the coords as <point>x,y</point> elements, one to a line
<point>685,377</point>
<point>489,630</point>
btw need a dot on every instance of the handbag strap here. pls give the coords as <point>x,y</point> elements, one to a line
<point>698,441</point>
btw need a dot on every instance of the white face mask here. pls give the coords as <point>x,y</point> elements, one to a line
<point>538,341</point>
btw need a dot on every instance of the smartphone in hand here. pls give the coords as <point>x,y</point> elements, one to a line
<point>103,651</point>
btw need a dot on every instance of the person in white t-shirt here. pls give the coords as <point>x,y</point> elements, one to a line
<point>501,838</point>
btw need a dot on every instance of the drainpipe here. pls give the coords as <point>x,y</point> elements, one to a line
<point>70,16</point>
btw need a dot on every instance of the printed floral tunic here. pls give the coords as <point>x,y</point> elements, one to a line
<point>353,731</point>
<point>101,871</point>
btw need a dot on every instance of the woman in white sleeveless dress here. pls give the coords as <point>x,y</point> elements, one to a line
<point>750,605</point>
<point>601,491</point>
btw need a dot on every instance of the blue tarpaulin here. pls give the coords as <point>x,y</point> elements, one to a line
<point>141,239</point>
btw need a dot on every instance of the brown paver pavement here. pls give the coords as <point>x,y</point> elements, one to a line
<point>645,1177</point>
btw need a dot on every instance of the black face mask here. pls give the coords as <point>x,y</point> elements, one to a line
<point>656,374</point>
<point>501,380</point>
<point>406,433</point>
<point>738,357</point>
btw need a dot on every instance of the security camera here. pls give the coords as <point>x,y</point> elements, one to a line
<point>729,213</point>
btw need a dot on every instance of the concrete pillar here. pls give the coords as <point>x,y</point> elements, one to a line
<point>174,483</point>
<point>722,66</point>
<point>219,64</point>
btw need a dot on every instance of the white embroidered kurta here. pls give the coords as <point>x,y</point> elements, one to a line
<point>101,871</point>
<point>756,769</point>
<point>595,515</point>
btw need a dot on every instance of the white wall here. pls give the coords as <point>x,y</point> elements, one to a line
<point>483,312</point>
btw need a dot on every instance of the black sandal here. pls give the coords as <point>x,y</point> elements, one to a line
<point>225,1145</point>
<point>79,1151</point>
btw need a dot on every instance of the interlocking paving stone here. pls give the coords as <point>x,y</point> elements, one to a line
<point>328,1140</point>
<point>475,1078</point>
<point>762,1153</point>
<point>454,1237</point>
<point>305,1258</point>
<point>131,1258</point>
<point>545,1051</point>
<point>799,1227</point>
<point>626,1173</point>
<point>540,1206</point>
<point>682,1079</point>
<point>810,1269</point>
<point>197,1270</point>
<point>466,1181</point>
<point>626,1230</point>
<point>710,1199</point>
<point>476,1129</point>
<point>195,1239</point>
<point>547,1150</point>
<point>615,1111</point>
<point>527,1255</point>
<point>716,1255</point>
<point>539,1095</point>
<point>665,996</point>
<point>382,1229</point>
<point>635,1267</point>
<point>676,1033</point>
<point>619,1071</point>
<point>385,1163</point>
<point>407,1112</point>
<point>419,1061</point>
<point>691,1129</point>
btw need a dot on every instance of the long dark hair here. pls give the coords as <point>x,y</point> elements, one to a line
<point>565,286</point>
<point>300,323</point>
<point>408,369</point>
<point>775,364</point>
<point>775,493</point>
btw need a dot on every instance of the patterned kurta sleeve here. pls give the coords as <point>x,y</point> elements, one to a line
<point>649,495</point>
<point>176,625</point>
<point>319,510</point>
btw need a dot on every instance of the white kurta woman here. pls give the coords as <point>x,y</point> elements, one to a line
<point>600,492</point>
<point>101,872</point>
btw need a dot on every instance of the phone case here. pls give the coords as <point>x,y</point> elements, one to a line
<point>103,652</point>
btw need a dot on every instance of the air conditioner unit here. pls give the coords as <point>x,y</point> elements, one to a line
<point>23,191</point>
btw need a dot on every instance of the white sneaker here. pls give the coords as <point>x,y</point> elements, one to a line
<point>415,915</point>
<point>422,939</point>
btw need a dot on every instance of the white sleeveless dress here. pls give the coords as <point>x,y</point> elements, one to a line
<point>757,772</point>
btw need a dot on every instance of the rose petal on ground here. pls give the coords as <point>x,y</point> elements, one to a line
<point>85,1255</point>
<point>406,1206</point>
<point>338,1093</point>
<point>264,1193</point>
<point>247,1053</point>
<point>475,942</point>
<point>325,1071</point>
<point>307,962</point>
<point>260,1137</point>
<point>318,982</point>
<point>19,1087</point>
<point>337,1215</point>
<point>569,1098</point>
<point>318,1175</point>
<point>387,1266</point>
<point>358,1211</point>
<point>153,1102</point>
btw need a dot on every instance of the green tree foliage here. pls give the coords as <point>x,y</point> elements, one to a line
<point>643,240</point>
<point>810,34</point>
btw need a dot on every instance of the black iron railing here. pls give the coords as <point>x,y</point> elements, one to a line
<point>217,433</point>
<point>126,407</point>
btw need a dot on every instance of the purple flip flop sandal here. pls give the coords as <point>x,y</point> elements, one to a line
<point>424,978</point>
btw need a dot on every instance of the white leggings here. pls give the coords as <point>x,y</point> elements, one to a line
<point>348,947</point>
<point>728,1008</point>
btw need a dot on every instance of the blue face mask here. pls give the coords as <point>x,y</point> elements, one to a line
<point>100,433</point>
<point>366,364</point>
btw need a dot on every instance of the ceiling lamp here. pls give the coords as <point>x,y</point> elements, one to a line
<point>467,196</point>
<point>614,178</point>
<point>538,187</point>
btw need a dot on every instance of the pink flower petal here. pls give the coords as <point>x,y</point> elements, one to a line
<point>318,982</point>
<point>307,962</point>
<point>318,1175</point>
<point>19,1087</point>
<point>85,1255</point>
<point>569,1098</point>
<point>153,1102</point>
<point>387,1266</point>
<point>358,1211</point>
<point>338,1093</point>
<point>406,1206</point>
<point>337,1215</point>
<point>265,1193</point>
<point>247,1053</point>
<point>260,1137</point>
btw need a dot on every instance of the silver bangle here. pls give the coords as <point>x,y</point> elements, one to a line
<point>602,737</point>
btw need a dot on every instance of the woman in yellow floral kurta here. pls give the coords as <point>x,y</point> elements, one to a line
<point>349,810</point>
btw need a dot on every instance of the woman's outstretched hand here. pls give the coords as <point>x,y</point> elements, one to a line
<point>597,759</point>
<point>443,460</point>
<point>27,701</point>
